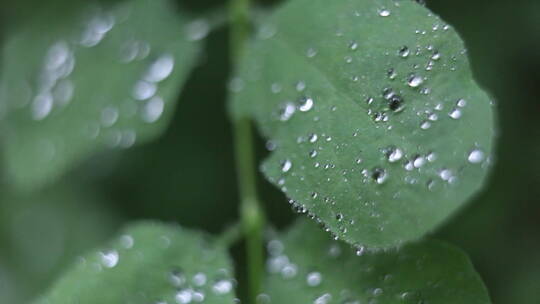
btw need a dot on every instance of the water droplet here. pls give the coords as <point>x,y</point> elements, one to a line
<point>394,155</point>
<point>324,299</point>
<point>313,138</point>
<point>419,161</point>
<point>289,271</point>
<point>160,69</point>
<point>476,156</point>
<point>57,56</point>
<point>409,166</point>
<point>287,111</point>
<point>127,241</point>
<point>395,103</point>
<point>42,106</point>
<point>431,157</point>
<point>286,166</point>
<point>276,88</point>
<point>153,109</point>
<point>199,279</point>
<point>63,92</point>
<point>379,175</point>
<point>109,259</point>
<point>183,296</point>
<point>300,86</point>
<point>311,52</point>
<point>455,114</point>
<point>377,292</point>
<point>134,50</point>
<point>306,104</point>
<point>353,45</point>
<point>127,138</point>
<point>445,174</point>
<point>415,81</point>
<point>177,278</point>
<point>197,30</point>
<point>391,74</point>
<point>109,116</point>
<point>384,12</point>
<point>198,296</point>
<point>313,153</point>
<point>144,90</point>
<point>425,125</point>
<point>314,279</point>
<point>96,29</point>
<point>266,31</point>
<point>461,103</point>
<point>404,52</point>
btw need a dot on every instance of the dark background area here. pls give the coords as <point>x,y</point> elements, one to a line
<point>187,175</point>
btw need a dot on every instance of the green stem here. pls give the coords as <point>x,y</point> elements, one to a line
<point>239,19</point>
<point>250,209</point>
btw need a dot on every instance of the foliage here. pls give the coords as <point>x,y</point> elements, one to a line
<point>112,111</point>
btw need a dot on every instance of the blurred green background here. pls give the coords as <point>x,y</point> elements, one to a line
<point>187,175</point>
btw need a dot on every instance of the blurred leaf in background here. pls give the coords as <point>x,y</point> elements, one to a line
<point>149,263</point>
<point>42,233</point>
<point>98,77</point>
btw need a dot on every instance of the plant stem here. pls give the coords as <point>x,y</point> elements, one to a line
<point>250,209</point>
<point>239,20</point>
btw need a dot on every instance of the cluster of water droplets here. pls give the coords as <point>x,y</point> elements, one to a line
<point>188,285</point>
<point>59,86</point>
<point>195,288</point>
<point>283,269</point>
<point>54,88</point>
<point>395,151</point>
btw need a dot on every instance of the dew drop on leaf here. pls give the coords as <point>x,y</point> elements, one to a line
<point>306,104</point>
<point>395,155</point>
<point>476,156</point>
<point>415,81</point>
<point>384,12</point>
<point>286,165</point>
<point>455,114</point>
<point>404,52</point>
<point>314,279</point>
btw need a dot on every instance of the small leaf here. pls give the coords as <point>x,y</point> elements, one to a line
<point>149,264</point>
<point>375,124</point>
<point>305,266</point>
<point>81,78</point>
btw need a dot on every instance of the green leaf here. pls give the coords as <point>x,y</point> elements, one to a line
<point>82,78</point>
<point>149,263</point>
<point>41,233</point>
<point>306,266</point>
<point>375,123</point>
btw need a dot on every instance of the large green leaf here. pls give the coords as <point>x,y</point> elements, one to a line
<point>306,266</point>
<point>375,123</point>
<point>149,263</point>
<point>80,78</point>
